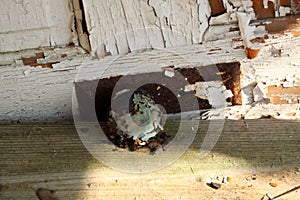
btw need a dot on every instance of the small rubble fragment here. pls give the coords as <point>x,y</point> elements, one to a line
<point>273,184</point>
<point>252,53</point>
<point>169,71</point>
<point>227,179</point>
<point>283,11</point>
<point>46,194</point>
<point>214,185</point>
<point>214,91</point>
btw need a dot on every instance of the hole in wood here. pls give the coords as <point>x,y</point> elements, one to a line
<point>167,92</point>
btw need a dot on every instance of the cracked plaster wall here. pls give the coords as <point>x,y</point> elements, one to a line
<point>26,24</point>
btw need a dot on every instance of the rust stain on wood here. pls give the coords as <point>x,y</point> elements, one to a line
<point>43,65</point>
<point>261,12</point>
<point>239,47</point>
<point>280,25</point>
<point>217,7</point>
<point>33,61</point>
<point>282,95</point>
<point>252,53</point>
<point>258,40</point>
<point>29,61</point>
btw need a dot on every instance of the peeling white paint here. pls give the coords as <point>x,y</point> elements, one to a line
<point>34,23</point>
<point>204,13</point>
<point>265,2</point>
<point>214,91</point>
<point>247,32</point>
<point>227,6</point>
<point>283,11</point>
<point>221,19</point>
<point>45,94</point>
<point>135,26</point>
<point>259,92</point>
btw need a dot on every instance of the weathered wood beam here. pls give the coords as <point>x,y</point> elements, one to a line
<point>44,94</point>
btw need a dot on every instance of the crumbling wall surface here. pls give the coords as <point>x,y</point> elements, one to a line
<point>42,90</point>
<point>26,24</point>
<point>122,26</point>
<point>38,89</point>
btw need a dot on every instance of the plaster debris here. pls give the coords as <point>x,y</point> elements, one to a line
<point>214,91</point>
<point>144,122</point>
<point>227,179</point>
<point>237,112</point>
<point>259,92</point>
<point>270,110</point>
<point>169,71</point>
<point>283,11</point>
<point>128,15</point>
<point>215,185</point>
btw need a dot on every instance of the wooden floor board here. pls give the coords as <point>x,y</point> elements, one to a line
<point>52,156</point>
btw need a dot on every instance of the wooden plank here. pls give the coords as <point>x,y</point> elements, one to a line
<point>30,24</point>
<point>22,100</point>
<point>118,27</point>
<point>52,156</point>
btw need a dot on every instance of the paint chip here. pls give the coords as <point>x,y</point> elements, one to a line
<point>169,71</point>
<point>273,184</point>
<point>252,53</point>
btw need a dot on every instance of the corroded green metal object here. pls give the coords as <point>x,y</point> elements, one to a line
<point>144,122</point>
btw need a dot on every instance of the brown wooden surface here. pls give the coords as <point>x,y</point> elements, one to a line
<point>52,156</point>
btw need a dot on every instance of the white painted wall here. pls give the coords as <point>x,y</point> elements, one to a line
<point>122,26</point>
<point>45,95</point>
<point>28,24</point>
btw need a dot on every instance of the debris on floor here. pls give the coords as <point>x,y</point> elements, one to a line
<point>215,185</point>
<point>46,194</point>
<point>273,184</point>
<point>141,128</point>
<point>270,197</point>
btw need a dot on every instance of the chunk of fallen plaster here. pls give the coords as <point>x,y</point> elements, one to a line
<point>214,91</point>
<point>189,87</point>
<point>283,11</point>
<point>259,92</point>
<point>271,110</point>
<point>169,71</point>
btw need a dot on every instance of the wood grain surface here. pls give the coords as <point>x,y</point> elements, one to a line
<point>51,156</point>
